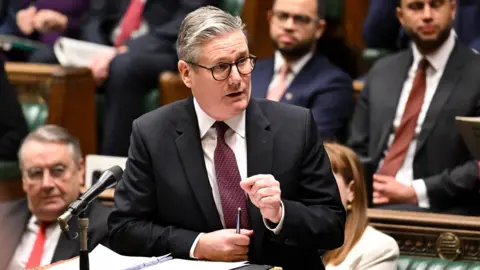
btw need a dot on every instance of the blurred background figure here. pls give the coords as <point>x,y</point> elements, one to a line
<point>364,247</point>
<point>43,21</point>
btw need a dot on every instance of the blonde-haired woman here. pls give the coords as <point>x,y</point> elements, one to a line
<point>364,247</point>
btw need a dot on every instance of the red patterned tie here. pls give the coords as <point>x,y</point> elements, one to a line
<point>37,251</point>
<point>406,130</point>
<point>228,181</point>
<point>130,22</point>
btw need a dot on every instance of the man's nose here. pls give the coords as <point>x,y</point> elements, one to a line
<point>47,181</point>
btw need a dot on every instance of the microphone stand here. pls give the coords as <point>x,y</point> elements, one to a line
<point>83,221</point>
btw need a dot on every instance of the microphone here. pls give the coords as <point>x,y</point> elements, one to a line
<point>108,178</point>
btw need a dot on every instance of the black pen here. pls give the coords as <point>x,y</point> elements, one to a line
<point>239,215</point>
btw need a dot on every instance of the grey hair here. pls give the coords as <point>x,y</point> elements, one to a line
<point>53,134</point>
<point>202,25</point>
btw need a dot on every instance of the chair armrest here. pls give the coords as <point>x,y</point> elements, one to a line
<point>172,88</point>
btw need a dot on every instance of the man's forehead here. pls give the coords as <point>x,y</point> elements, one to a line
<point>296,6</point>
<point>225,46</point>
<point>45,153</point>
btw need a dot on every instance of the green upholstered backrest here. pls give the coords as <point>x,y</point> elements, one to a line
<point>36,114</point>
<point>417,263</point>
<point>233,6</point>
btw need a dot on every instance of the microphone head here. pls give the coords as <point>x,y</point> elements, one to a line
<point>117,172</point>
<point>110,176</point>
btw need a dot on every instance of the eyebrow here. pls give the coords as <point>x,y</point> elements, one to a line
<point>237,56</point>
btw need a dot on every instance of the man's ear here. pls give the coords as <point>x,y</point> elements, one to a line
<point>321,26</point>
<point>400,15</point>
<point>185,72</point>
<point>81,171</point>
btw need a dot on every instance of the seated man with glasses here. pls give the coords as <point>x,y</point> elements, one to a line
<point>194,163</point>
<point>300,75</point>
<point>52,171</point>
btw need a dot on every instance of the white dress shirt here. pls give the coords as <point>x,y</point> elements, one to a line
<point>295,68</point>
<point>24,248</point>
<point>373,251</point>
<point>236,140</point>
<point>437,63</point>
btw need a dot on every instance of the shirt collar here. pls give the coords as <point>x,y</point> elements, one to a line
<point>438,59</point>
<point>296,67</point>
<point>205,122</point>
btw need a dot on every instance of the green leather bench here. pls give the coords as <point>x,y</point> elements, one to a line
<point>418,263</point>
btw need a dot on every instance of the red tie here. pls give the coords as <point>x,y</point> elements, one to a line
<point>130,22</point>
<point>37,252</point>
<point>406,130</point>
<point>276,92</point>
<point>228,181</point>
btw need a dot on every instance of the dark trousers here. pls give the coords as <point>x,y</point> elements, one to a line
<point>131,76</point>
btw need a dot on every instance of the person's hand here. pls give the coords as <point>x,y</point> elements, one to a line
<point>386,189</point>
<point>47,20</point>
<point>100,65</point>
<point>223,245</point>
<point>25,20</point>
<point>264,192</point>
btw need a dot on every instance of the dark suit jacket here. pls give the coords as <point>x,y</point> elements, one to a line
<point>441,158</point>
<point>319,86</point>
<point>382,29</point>
<point>165,200</point>
<point>13,127</point>
<point>14,218</point>
<point>162,16</point>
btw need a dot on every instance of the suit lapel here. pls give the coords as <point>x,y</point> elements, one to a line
<point>259,159</point>
<point>302,77</point>
<point>191,153</point>
<point>390,95</point>
<point>14,223</point>
<point>447,84</point>
<point>68,248</point>
<point>265,76</point>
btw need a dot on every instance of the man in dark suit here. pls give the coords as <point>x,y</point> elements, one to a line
<point>183,183</point>
<point>381,28</point>
<point>404,122</point>
<point>52,173</point>
<point>13,127</point>
<point>298,74</point>
<point>145,47</point>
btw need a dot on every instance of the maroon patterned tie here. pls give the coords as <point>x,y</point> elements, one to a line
<point>406,130</point>
<point>228,181</point>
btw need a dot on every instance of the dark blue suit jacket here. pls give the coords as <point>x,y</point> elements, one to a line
<point>382,29</point>
<point>319,86</point>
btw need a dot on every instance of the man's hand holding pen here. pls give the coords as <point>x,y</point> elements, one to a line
<point>264,192</point>
<point>224,245</point>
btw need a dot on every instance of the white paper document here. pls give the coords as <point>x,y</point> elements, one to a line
<point>102,258</point>
<point>77,53</point>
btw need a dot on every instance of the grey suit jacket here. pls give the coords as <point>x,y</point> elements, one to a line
<point>14,218</point>
<point>441,157</point>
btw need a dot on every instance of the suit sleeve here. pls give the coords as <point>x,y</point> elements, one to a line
<point>93,23</point>
<point>317,219</point>
<point>133,230</point>
<point>13,127</point>
<point>332,108</point>
<point>381,27</point>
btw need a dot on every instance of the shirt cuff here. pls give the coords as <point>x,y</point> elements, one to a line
<point>421,191</point>
<point>194,245</point>
<point>278,228</point>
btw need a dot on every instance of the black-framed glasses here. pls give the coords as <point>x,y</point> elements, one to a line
<point>36,174</point>
<point>298,19</point>
<point>222,70</point>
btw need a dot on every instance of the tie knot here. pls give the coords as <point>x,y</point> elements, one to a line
<point>221,128</point>
<point>423,64</point>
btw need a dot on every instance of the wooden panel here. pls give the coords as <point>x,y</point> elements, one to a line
<point>430,235</point>
<point>255,17</point>
<point>354,14</point>
<point>69,94</point>
<point>172,88</point>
